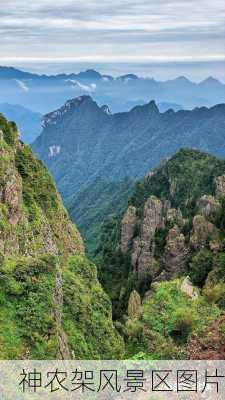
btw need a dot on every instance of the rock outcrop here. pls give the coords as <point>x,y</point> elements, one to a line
<point>134,304</point>
<point>143,247</point>
<point>208,205</point>
<point>175,252</point>
<point>128,225</point>
<point>188,288</point>
<point>220,186</point>
<point>204,232</point>
<point>174,216</point>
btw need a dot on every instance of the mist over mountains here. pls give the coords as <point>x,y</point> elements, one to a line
<point>43,93</point>
<point>28,121</point>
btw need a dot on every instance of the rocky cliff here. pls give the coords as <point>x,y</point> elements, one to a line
<point>167,249</point>
<point>51,303</point>
<point>169,220</point>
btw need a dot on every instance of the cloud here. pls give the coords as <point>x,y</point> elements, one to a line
<point>86,88</point>
<point>138,30</point>
<point>22,85</point>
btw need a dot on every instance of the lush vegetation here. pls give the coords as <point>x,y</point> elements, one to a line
<point>182,180</point>
<point>96,202</point>
<point>27,327</point>
<point>87,314</point>
<point>47,286</point>
<point>168,318</point>
<point>167,321</point>
<point>27,324</point>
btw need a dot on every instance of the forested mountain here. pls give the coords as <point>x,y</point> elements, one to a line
<point>82,143</point>
<point>162,260</point>
<point>52,305</point>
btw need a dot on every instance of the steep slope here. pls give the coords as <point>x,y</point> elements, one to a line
<point>174,227</point>
<point>28,121</point>
<point>96,202</point>
<point>82,142</point>
<point>51,302</point>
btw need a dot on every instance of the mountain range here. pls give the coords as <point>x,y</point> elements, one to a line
<point>82,143</point>
<point>43,93</point>
<point>160,257</point>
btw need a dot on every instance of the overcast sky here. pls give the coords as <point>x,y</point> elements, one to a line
<point>145,36</point>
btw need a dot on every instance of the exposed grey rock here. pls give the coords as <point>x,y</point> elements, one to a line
<point>203,232</point>
<point>208,205</point>
<point>64,352</point>
<point>188,288</point>
<point>220,186</point>
<point>175,252</point>
<point>143,248</point>
<point>134,305</point>
<point>128,226</point>
<point>174,216</point>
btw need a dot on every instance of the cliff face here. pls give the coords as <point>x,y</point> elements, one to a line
<point>47,285</point>
<point>168,221</point>
<point>33,219</point>
<point>167,249</point>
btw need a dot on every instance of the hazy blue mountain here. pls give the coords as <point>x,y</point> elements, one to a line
<point>44,93</point>
<point>82,143</point>
<point>28,122</point>
<point>163,107</point>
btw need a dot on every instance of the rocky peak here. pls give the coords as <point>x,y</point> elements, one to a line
<point>143,246</point>
<point>89,74</point>
<point>204,232</point>
<point>106,109</point>
<point>69,107</point>
<point>175,252</point>
<point>128,226</point>
<point>149,109</point>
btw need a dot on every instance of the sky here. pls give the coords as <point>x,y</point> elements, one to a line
<point>160,38</point>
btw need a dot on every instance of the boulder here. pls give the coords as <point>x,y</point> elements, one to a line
<point>188,288</point>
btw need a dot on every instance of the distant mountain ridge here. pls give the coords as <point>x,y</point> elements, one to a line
<point>15,73</point>
<point>81,142</point>
<point>28,121</point>
<point>45,92</point>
